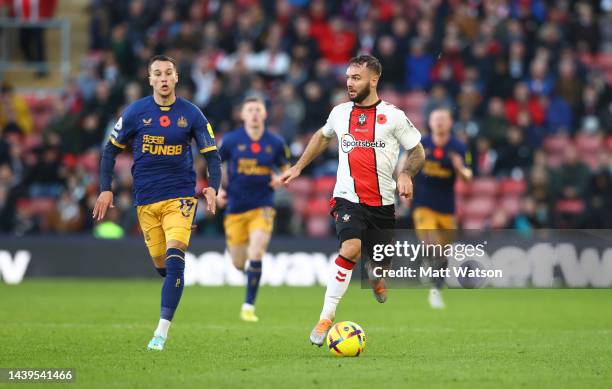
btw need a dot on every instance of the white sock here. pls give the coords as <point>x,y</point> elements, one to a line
<point>336,287</point>
<point>248,307</point>
<point>162,328</point>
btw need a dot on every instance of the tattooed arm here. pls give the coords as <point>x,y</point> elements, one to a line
<point>412,163</point>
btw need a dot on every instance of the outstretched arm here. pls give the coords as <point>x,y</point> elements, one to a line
<point>412,163</point>
<point>213,160</point>
<point>317,144</point>
<point>107,165</point>
<point>463,172</point>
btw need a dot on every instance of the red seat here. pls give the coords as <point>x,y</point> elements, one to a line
<point>391,97</point>
<point>588,144</point>
<point>318,226</point>
<point>479,207</point>
<point>416,117</point>
<point>459,207</point>
<point>511,205</point>
<point>609,143</point>
<point>511,187</point>
<point>301,185</point>
<point>485,186</point>
<point>570,206</point>
<point>318,206</point>
<point>462,188</point>
<point>414,101</point>
<point>42,206</point>
<point>324,186</point>
<point>587,59</point>
<point>605,61</point>
<point>300,204</point>
<point>89,161</point>
<point>474,223</point>
<point>123,162</point>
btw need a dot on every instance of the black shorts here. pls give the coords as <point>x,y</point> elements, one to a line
<point>352,219</point>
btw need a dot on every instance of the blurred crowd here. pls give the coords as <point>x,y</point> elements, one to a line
<point>528,82</point>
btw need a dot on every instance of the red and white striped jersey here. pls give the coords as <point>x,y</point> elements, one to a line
<point>368,141</point>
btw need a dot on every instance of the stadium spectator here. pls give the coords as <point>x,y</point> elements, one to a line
<point>524,80</point>
<point>494,124</point>
<point>14,111</point>
<point>418,66</point>
<point>514,155</point>
<point>391,61</point>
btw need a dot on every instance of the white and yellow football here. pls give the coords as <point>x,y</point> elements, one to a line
<point>346,339</point>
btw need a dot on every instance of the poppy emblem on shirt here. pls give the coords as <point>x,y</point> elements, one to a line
<point>164,121</point>
<point>438,153</point>
<point>255,147</point>
<point>381,118</point>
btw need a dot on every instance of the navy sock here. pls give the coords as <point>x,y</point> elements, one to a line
<point>161,271</point>
<point>172,288</point>
<point>440,263</point>
<point>253,276</point>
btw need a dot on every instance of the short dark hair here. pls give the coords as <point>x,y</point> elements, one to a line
<point>370,61</point>
<point>163,58</point>
<point>253,99</point>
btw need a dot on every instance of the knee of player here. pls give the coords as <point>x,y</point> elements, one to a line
<point>351,249</point>
<point>176,244</point>
<point>256,253</point>
<point>238,264</point>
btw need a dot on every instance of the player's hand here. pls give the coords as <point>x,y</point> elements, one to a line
<point>290,174</point>
<point>103,203</point>
<point>221,198</point>
<point>404,185</point>
<point>275,181</point>
<point>456,160</point>
<point>460,167</point>
<point>210,196</point>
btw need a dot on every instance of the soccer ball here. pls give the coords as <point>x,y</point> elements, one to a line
<point>346,339</point>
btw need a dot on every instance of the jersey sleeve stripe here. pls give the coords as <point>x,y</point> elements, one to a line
<point>207,149</point>
<point>114,141</point>
<point>210,130</point>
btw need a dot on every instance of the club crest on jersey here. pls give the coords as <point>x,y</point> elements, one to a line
<point>362,119</point>
<point>268,149</point>
<point>182,122</point>
<point>147,122</point>
<point>241,147</point>
<point>346,218</point>
<point>348,143</point>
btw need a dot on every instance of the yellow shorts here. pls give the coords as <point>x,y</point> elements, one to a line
<point>165,221</point>
<point>434,227</point>
<point>238,226</point>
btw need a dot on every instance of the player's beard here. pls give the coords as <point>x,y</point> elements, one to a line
<point>362,95</point>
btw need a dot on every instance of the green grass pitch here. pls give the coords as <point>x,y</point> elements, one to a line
<point>485,338</point>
